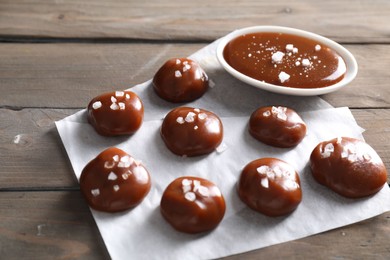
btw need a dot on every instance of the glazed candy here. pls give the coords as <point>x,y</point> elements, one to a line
<point>348,166</point>
<point>277,126</point>
<point>180,80</point>
<point>192,205</point>
<point>114,181</point>
<point>270,186</point>
<point>116,113</point>
<point>189,131</point>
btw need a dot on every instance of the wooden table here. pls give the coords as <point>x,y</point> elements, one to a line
<point>57,55</point>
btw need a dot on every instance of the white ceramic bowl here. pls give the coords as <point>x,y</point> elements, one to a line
<point>349,59</point>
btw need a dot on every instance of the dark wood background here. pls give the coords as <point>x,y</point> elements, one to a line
<point>56,55</point>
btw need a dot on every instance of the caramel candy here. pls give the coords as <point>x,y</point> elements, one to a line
<point>277,126</point>
<point>270,186</point>
<point>191,131</point>
<point>116,113</point>
<point>348,166</point>
<point>180,80</point>
<point>114,181</point>
<point>192,205</point>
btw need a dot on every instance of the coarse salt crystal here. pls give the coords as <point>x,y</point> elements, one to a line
<point>289,47</point>
<point>119,93</point>
<point>278,172</point>
<point>204,191</point>
<point>352,157</point>
<point>114,106</point>
<point>280,112</point>
<point>249,55</point>
<point>267,113</point>
<point>196,127</point>
<point>290,184</point>
<point>186,188</point>
<point>196,184</point>
<point>366,157</point>
<point>263,169</point>
<point>190,196</point>
<point>115,158</point>
<point>178,74</point>
<point>329,148</point>
<point>125,158</point>
<point>190,117</point>
<point>127,96</point>
<point>197,110</point>
<point>95,192</point>
<point>277,57</point>
<point>264,182</point>
<point>202,116</point>
<point>122,106</point>
<point>125,162</point>
<point>125,176</point>
<point>186,182</point>
<point>305,62</point>
<point>180,120</point>
<point>295,50</point>
<point>116,187</point>
<point>113,99</point>
<point>112,176</point>
<point>109,165</point>
<point>297,63</point>
<point>271,174</point>
<point>283,76</point>
<point>186,67</point>
<point>97,105</point>
<point>178,61</point>
<point>317,47</point>
<point>282,116</point>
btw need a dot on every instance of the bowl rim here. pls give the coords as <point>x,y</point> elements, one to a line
<point>349,59</point>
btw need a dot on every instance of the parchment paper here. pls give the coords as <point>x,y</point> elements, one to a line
<point>142,233</point>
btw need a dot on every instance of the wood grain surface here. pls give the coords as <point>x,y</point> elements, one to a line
<point>344,21</point>
<point>69,75</point>
<point>55,55</point>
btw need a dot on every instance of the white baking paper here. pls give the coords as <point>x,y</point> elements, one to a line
<point>142,233</point>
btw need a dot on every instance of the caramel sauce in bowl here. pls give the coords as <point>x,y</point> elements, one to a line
<point>286,60</point>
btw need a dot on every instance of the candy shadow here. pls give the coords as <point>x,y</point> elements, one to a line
<point>171,236</point>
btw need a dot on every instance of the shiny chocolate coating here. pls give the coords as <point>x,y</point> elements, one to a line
<point>277,126</point>
<point>270,186</point>
<point>191,131</point>
<point>180,80</point>
<point>114,181</point>
<point>192,205</point>
<point>348,166</point>
<point>116,113</point>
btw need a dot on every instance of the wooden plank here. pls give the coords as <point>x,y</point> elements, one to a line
<point>32,154</point>
<point>69,75</point>
<point>59,225</point>
<point>364,240</point>
<point>192,20</point>
<point>48,225</point>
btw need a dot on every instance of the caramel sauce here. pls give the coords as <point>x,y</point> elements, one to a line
<point>285,60</point>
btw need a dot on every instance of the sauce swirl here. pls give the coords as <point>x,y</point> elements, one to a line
<point>285,60</point>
